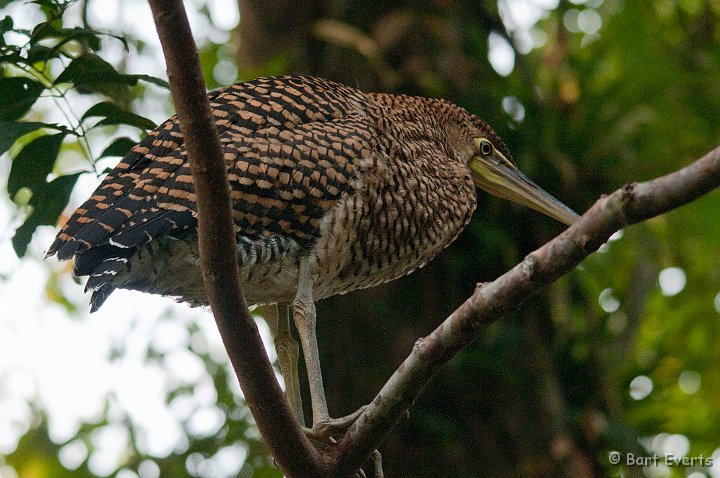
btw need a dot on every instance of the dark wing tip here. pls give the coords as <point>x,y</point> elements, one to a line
<point>60,241</point>
<point>65,250</point>
<point>99,296</point>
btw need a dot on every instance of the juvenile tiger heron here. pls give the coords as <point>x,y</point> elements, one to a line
<point>332,189</point>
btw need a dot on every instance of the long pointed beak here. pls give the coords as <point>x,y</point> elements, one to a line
<point>498,176</point>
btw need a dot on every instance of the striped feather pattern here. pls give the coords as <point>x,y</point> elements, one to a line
<point>273,132</point>
<point>372,185</point>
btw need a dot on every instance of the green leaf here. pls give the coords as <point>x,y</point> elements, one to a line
<point>47,205</point>
<point>32,165</point>
<point>17,95</point>
<point>53,8</point>
<point>87,36</point>
<point>114,115</point>
<point>6,24</point>
<point>90,69</point>
<point>41,53</point>
<point>12,131</point>
<point>119,147</point>
<point>93,72</point>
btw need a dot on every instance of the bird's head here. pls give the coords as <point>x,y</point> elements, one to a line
<point>494,171</point>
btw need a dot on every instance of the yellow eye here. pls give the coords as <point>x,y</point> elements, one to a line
<point>485,147</point>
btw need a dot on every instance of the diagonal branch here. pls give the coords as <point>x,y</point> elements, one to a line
<point>631,204</point>
<point>216,239</point>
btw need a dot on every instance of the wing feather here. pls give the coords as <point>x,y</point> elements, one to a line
<point>293,147</point>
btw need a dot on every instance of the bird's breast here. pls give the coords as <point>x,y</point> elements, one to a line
<point>387,230</point>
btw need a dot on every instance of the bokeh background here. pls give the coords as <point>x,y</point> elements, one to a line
<point>620,356</point>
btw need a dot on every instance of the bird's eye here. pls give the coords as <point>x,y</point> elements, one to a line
<point>485,147</point>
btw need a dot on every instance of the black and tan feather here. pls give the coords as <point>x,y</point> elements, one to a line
<point>370,186</point>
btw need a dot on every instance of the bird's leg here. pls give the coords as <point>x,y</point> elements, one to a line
<point>323,427</point>
<point>288,352</point>
<point>305,320</point>
<point>377,464</point>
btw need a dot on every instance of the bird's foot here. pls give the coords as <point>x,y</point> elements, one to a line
<point>377,464</point>
<point>377,467</point>
<point>325,429</point>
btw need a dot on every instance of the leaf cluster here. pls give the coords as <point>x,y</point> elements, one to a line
<point>50,62</point>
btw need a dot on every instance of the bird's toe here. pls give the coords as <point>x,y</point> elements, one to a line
<point>326,429</point>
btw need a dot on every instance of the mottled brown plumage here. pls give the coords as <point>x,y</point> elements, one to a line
<point>372,185</point>
<point>332,189</point>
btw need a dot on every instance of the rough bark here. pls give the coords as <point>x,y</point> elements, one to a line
<point>216,239</point>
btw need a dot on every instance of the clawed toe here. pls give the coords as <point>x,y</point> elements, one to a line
<point>324,430</point>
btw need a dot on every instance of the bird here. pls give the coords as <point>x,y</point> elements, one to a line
<point>333,189</point>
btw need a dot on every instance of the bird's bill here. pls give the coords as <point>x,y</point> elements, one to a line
<point>498,176</point>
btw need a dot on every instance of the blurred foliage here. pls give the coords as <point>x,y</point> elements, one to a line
<point>601,93</point>
<point>48,62</point>
<point>37,455</point>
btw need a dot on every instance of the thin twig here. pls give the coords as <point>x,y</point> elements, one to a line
<point>216,242</point>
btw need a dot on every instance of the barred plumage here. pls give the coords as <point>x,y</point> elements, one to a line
<point>332,190</point>
<point>381,171</point>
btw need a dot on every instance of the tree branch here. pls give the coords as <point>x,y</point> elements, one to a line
<point>216,238</point>
<point>633,203</point>
<point>216,242</point>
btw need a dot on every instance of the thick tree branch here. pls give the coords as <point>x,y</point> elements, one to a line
<point>633,203</point>
<point>216,239</point>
